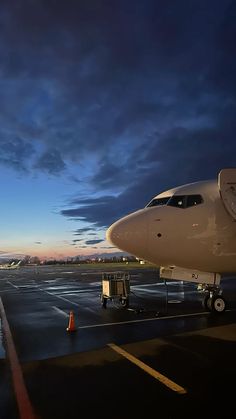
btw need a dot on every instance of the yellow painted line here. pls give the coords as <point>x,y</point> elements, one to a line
<point>157,375</point>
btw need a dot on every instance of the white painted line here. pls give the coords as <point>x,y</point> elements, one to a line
<point>15,286</point>
<point>61,298</point>
<point>147,291</point>
<point>144,320</point>
<point>174,301</point>
<point>50,280</point>
<point>115,323</point>
<point>91,273</point>
<point>154,284</point>
<point>60,311</point>
<point>90,290</point>
<point>157,284</point>
<point>157,375</point>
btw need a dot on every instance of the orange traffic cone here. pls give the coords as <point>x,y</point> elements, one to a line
<point>71,326</point>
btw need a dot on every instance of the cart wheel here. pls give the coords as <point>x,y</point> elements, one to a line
<point>104,302</point>
<point>125,302</point>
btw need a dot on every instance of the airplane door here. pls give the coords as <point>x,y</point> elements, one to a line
<point>227,186</point>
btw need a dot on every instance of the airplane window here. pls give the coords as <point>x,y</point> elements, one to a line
<point>185,201</point>
<point>158,201</point>
<point>177,201</point>
<point>193,200</point>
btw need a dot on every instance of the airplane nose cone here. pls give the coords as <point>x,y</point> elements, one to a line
<point>130,233</point>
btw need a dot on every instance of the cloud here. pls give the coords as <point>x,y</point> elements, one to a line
<point>132,97</point>
<point>15,152</point>
<point>91,242</point>
<point>181,156</point>
<point>50,161</point>
<point>107,247</point>
<point>103,77</point>
<point>97,211</point>
<point>82,230</point>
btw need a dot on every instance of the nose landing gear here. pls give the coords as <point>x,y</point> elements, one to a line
<point>213,300</point>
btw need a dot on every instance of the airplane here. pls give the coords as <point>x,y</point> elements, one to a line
<point>11,265</point>
<point>189,232</point>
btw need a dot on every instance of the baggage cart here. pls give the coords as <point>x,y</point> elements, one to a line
<point>115,285</point>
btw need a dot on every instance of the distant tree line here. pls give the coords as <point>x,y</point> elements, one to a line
<point>35,260</point>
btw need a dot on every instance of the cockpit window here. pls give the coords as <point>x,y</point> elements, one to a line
<point>185,201</point>
<point>177,201</point>
<point>193,200</point>
<point>158,201</point>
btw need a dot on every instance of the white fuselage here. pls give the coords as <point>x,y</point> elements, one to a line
<point>10,266</point>
<point>201,236</point>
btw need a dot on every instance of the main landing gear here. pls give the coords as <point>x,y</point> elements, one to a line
<point>213,300</point>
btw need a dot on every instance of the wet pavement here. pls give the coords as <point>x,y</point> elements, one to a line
<point>8,408</point>
<point>2,349</point>
<point>70,373</point>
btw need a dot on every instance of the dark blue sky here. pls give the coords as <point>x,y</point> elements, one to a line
<point>103,105</point>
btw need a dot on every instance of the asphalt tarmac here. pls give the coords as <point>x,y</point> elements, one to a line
<point>161,356</point>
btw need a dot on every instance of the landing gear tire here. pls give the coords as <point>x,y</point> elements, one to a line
<point>104,302</point>
<point>207,302</point>
<point>218,304</point>
<point>124,302</point>
<point>215,304</point>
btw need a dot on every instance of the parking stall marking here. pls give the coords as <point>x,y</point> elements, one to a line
<point>157,375</point>
<point>59,311</point>
<point>61,298</point>
<point>146,320</point>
